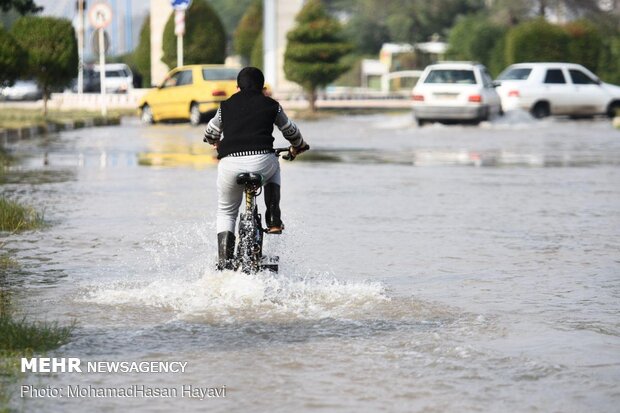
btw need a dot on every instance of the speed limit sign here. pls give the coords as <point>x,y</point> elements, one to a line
<point>100,15</point>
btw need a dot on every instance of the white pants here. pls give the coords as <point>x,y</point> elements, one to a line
<point>230,194</point>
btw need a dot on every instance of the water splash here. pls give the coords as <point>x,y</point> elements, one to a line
<point>224,297</point>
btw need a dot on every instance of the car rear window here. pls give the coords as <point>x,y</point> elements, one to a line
<point>518,73</point>
<point>219,74</point>
<point>463,77</point>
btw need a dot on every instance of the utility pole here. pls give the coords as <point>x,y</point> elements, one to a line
<point>180,6</point>
<point>270,42</point>
<point>81,5</point>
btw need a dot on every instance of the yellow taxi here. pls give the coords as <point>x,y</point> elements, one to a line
<point>189,92</point>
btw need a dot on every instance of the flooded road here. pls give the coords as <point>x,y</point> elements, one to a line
<point>435,269</point>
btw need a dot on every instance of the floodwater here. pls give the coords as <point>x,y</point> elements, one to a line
<point>435,269</point>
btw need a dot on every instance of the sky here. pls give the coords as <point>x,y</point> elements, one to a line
<point>124,32</point>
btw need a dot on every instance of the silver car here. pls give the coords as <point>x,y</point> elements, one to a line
<point>455,91</point>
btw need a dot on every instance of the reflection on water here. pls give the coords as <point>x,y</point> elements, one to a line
<point>37,177</point>
<point>464,157</point>
<point>173,152</point>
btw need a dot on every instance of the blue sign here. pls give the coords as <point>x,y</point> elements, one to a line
<point>181,4</point>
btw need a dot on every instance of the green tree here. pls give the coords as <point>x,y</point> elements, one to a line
<point>204,40</point>
<point>536,41</point>
<point>250,26</point>
<point>142,54</point>
<point>12,58</point>
<point>52,51</point>
<point>256,59</point>
<point>374,22</point>
<point>314,50</point>
<point>475,38</point>
<point>230,12</point>
<point>21,6</point>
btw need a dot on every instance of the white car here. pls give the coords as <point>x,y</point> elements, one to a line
<point>455,91</point>
<point>546,89</point>
<point>22,90</point>
<point>118,77</point>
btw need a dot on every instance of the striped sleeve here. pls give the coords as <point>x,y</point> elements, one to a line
<point>289,129</point>
<point>213,132</point>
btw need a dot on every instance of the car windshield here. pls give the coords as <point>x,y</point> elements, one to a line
<point>219,74</point>
<point>520,73</point>
<point>115,73</point>
<point>463,77</point>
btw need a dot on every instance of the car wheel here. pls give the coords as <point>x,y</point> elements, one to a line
<point>420,122</point>
<point>614,109</point>
<point>486,115</point>
<point>194,115</point>
<point>541,110</point>
<point>146,115</point>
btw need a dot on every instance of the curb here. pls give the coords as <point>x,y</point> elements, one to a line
<point>15,134</point>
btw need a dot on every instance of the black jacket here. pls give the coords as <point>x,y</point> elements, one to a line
<point>247,119</point>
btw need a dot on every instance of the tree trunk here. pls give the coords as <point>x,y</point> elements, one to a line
<point>542,8</point>
<point>312,99</point>
<point>45,98</point>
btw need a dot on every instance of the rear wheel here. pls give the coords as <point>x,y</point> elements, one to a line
<point>194,115</point>
<point>146,115</point>
<point>541,110</point>
<point>614,109</point>
<point>486,114</point>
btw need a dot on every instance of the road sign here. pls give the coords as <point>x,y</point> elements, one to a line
<point>179,23</point>
<point>100,15</point>
<point>94,42</point>
<point>181,4</point>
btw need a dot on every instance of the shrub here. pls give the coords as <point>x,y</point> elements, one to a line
<point>584,46</point>
<point>536,41</point>
<point>609,60</point>
<point>476,38</point>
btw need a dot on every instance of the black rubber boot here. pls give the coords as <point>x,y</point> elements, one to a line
<point>273,214</point>
<point>225,251</point>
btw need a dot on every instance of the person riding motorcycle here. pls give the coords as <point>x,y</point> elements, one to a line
<point>241,131</point>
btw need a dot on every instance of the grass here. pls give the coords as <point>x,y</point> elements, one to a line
<point>7,263</point>
<point>21,118</point>
<point>19,338</point>
<point>5,158</point>
<point>17,335</point>
<point>22,338</point>
<point>16,217</point>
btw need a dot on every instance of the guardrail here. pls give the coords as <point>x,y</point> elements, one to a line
<point>334,98</point>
